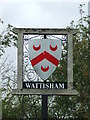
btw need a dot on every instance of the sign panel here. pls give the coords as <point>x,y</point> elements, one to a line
<point>45,55</point>
<point>45,85</point>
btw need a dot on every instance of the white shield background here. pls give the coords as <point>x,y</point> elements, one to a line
<point>44,45</point>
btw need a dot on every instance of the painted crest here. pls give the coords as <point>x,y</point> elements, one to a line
<point>45,55</point>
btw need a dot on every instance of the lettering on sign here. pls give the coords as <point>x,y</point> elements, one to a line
<point>45,85</point>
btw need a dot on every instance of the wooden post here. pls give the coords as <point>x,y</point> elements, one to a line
<point>70,61</point>
<point>20,60</point>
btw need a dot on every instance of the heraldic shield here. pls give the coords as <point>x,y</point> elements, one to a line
<point>45,55</point>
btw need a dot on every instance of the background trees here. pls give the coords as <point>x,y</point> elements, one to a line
<point>76,107</point>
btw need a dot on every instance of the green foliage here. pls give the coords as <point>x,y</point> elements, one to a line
<point>7,38</point>
<point>78,106</point>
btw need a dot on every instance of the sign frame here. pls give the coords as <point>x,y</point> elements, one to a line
<point>44,31</point>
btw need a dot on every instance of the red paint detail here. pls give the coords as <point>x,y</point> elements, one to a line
<point>45,69</point>
<point>45,55</point>
<point>37,59</point>
<point>36,48</point>
<point>53,48</point>
<point>51,59</point>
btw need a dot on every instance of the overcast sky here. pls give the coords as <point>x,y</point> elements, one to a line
<point>25,13</point>
<point>40,13</point>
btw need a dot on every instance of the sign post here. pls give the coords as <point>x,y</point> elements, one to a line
<point>44,107</point>
<point>44,56</point>
<point>44,103</point>
<point>43,88</point>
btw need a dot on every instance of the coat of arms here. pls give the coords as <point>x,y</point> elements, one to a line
<point>45,55</point>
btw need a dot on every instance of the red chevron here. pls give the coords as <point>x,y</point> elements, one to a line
<point>45,55</point>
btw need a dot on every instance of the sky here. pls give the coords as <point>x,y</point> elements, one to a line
<point>39,14</point>
<point>28,13</point>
